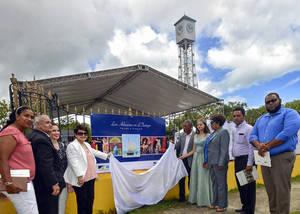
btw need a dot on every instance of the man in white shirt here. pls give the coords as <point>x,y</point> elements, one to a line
<point>184,145</point>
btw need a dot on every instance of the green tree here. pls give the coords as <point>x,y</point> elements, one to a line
<point>294,105</point>
<point>4,112</point>
<point>202,112</point>
<point>72,124</point>
<point>230,106</point>
<point>253,114</point>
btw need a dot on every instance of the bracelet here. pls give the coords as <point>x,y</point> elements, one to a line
<point>7,183</point>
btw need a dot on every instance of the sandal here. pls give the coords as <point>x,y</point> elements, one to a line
<point>220,209</point>
<point>212,207</point>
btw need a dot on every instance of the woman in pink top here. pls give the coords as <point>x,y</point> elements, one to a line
<point>16,153</point>
<point>81,170</point>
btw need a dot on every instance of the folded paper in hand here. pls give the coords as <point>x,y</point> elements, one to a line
<point>262,160</point>
<point>245,177</point>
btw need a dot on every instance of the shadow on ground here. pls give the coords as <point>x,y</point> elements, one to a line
<point>262,206</point>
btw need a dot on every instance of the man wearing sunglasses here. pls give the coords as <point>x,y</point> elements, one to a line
<point>276,132</point>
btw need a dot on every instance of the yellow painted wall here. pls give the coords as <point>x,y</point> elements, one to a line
<point>104,192</point>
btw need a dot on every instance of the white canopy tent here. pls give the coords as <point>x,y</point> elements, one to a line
<point>139,87</point>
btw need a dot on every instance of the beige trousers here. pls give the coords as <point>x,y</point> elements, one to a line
<point>277,179</point>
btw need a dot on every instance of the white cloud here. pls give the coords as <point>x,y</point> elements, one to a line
<point>260,39</point>
<point>235,99</point>
<point>257,46</point>
<point>143,46</point>
<point>290,83</point>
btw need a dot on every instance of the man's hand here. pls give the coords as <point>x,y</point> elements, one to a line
<point>220,167</point>
<point>80,181</point>
<point>12,189</point>
<point>55,189</point>
<point>181,157</point>
<point>248,169</point>
<point>263,148</point>
<point>108,155</point>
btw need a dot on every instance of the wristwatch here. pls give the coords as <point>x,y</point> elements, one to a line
<point>7,183</point>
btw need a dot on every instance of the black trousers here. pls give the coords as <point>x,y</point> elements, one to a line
<point>46,202</point>
<point>182,181</point>
<point>248,191</point>
<point>85,197</point>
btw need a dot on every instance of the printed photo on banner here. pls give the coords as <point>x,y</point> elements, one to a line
<point>99,142</point>
<point>94,143</point>
<point>115,145</point>
<point>159,145</point>
<point>130,145</point>
<point>146,145</point>
<point>105,145</point>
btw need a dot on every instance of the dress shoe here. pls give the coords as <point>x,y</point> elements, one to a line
<point>239,210</point>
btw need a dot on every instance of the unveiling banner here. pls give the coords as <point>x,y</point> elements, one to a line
<point>137,142</point>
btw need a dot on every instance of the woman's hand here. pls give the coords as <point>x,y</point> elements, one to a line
<point>69,188</point>
<point>205,166</point>
<point>80,181</point>
<point>2,196</point>
<point>12,189</point>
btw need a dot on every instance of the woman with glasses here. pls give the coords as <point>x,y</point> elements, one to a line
<point>81,171</point>
<point>216,158</point>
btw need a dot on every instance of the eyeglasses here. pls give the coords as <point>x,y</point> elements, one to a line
<point>82,133</point>
<point>269,101</point>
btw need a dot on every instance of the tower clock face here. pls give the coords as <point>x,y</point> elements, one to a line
<point>189,28</point>
<point>179,29</point>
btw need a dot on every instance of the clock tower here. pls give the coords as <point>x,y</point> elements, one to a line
<point>185,38</point>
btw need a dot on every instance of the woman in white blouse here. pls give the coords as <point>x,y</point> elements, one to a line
<point>81,171</point>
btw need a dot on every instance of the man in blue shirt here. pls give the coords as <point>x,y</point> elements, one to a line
<point>276,132</point>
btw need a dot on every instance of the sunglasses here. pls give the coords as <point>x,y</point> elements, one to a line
<point>271,101</point>
<point>82,133</point>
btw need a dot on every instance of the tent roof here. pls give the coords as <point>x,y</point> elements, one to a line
<point>140,87</point>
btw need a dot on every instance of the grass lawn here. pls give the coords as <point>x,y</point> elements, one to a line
<point>164,205</point>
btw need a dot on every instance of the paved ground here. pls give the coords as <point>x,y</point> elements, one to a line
<point>262,206</point>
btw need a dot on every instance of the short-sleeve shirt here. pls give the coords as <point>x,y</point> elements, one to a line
<point>22,156</point>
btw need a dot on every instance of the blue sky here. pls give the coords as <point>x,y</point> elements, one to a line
<point>244,49</point>
<point>288,86</point>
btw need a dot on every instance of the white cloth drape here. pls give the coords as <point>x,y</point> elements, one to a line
<point>133,190</point>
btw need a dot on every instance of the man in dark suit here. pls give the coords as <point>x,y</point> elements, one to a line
<point>184,146</point>
<point>46,181</point>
